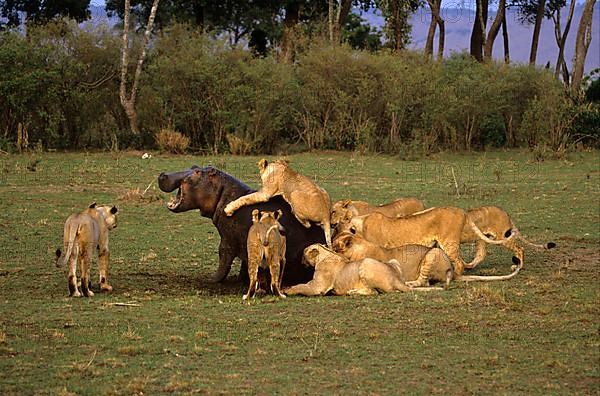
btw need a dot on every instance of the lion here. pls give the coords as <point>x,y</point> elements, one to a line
<point>266,249</point>
<point>398,208</point>
<point>420,264</point>
<point>309,202</point>
<point>83,233</point>
<point>335,273</point>
<point>495,223</point>
<point>443,226</point>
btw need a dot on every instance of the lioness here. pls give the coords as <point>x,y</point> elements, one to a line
<point>442,225</point>
<point>83,233</point>
<point>494,222</point>
<point>266,249</point>
<point>420,264</point>
<point>334,272</point>
<point>309,202</point>
<point>398,208</point>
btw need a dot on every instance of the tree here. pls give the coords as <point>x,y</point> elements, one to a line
<point>360,35</point>
<point>396,14</point>
<point>436,21</point>
<point>337,13</point>
<point>561,37</point>
<point>128,103</point>
<point>37,11</point>
<point>582,43</point>
<point>539,17</point>
<point>494,29</point>
<point>479,28</point>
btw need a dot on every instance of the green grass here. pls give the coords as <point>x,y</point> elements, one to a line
<point>535,334</point>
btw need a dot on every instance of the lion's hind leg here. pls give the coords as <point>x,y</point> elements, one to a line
<point>480,255</point>
<point>86,262</point>
<point>72,276</point>
<point>253,263</point>
<point>275,269</point>
<point>380,276</point>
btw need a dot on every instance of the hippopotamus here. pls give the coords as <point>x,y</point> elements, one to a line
<point>209,190</point>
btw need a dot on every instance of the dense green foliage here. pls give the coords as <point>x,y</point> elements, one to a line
<point>60,83</point>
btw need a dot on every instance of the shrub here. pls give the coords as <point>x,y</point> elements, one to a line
<point>172,141</point>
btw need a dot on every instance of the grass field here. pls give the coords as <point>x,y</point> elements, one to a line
<point>536,334</point>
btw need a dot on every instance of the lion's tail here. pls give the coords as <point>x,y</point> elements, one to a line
<point>507,236</point>
<point>265,240</point>
<point>488,278</point>
<point>70,246</point>
<point>547,245</point>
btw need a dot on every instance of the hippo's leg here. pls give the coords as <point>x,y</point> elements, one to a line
<point>243,277</point>
<point>226,256</point>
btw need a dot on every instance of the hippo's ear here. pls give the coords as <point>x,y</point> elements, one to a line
<point>262,164</point>
<point>212,172</point>
<point>93,205</point>
<point>278,214</point>
<point>255,215</point>
<point>113,210</point>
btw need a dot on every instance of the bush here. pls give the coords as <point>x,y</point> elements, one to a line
<point>172,141</point>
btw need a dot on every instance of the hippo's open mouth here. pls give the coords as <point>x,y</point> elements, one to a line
<point>175,201</point>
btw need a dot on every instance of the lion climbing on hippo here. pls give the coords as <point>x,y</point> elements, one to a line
<point>210,190</point>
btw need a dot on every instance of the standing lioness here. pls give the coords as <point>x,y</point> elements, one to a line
<point>83,233</point>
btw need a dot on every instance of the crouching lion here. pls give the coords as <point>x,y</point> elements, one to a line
<point>420,264</point>
<point>335,273</point>
<point>309,202</point>
<point>84,233</point>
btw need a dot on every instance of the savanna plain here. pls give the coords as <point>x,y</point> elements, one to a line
<point>167,329</point>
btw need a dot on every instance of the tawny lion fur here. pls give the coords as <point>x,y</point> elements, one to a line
<point>420,264</point>
<point>442,225</point>
<point>398,208</point>
<point>309,202</point>
<point>266,249</point>
<point>84,233</point>
<point>335,273</point>
<point>495,223</point>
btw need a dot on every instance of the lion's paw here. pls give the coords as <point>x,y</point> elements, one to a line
<point>229,210</point>
<point>105,287</point>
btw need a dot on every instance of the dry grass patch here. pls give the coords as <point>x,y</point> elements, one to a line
<point>485,295</point>
<point>177,385</point>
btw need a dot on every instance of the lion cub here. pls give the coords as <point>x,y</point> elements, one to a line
<point>266,249</point>
<point>309,202</point>
<point>83,233</point>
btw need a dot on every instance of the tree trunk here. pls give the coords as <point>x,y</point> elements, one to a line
<point>582,43</point>
<point>290,21</point>
<point>337,17</point>
<point>442,36</point>
<point>494,29</point>
<point>539,16</point>
<point>431,32</point>
<point>478,33</point>
<point>505,37</point>
<point>561,39</point>
<point>396,23</point>
<point>436,21</point>
<point>129,103</point>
